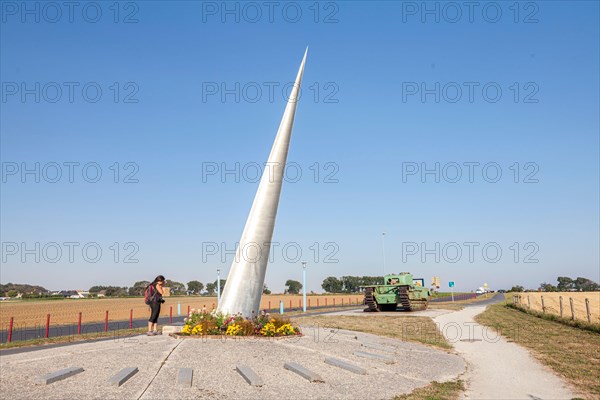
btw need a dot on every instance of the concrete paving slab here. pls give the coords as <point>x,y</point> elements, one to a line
<point>376,346</point>
<point>122,376</point>
<point>249,375</point>
<point>185,376</point>
<point>57,375</point>
<point>374,356</point>
<point>303,372</point>
<point>345,365</point>
<point>175,328</point>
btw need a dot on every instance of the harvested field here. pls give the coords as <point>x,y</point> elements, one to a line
<point>533,301</point>
<point>30,313</point>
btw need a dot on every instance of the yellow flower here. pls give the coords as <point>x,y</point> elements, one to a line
<point>286,329</point>
<point>268,329</point>
<point>197,330</point>
<point>233,330</point>
<point>186,330</point>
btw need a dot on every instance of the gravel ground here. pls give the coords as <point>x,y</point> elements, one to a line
<point>498,369</point>
<point>214,362</point>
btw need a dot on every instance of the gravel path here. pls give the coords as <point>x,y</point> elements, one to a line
<point>498,369</point>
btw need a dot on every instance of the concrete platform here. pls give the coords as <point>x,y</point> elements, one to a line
<point>175,328</point>
<point>160,358</point>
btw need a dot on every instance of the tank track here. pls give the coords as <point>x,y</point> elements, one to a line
<point>407,304</point>
<point>370,300</point>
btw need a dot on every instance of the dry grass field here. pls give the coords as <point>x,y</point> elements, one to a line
<point>552,303</point>
<point>32,313</point>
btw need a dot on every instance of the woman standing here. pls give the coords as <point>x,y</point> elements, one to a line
<point>153,297</point>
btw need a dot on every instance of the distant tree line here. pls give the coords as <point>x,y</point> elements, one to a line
<point>345,284</point>
<point>349,284</point>
<point>13,289</point>
<point>565,284</point>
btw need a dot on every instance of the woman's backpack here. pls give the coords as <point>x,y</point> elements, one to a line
<point>150,294</point>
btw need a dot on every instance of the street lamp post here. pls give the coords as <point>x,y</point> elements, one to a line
<point>383,251</point>
<point>304,286</point>
<point>218,285</point>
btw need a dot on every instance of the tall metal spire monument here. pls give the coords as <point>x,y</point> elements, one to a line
<point>244,286</point>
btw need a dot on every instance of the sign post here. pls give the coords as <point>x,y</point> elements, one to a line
<point>451,286</point>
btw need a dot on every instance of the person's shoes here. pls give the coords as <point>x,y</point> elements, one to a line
<point>157,333</point>
<point>150,333</point>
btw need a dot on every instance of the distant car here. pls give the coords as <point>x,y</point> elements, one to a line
<point>479,291</point>
<point>501,291</point>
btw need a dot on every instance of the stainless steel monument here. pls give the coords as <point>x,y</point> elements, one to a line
<point>247,274</point>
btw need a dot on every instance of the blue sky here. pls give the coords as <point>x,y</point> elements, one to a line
<point>162,120</point>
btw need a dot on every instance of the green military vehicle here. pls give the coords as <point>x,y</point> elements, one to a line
<point>400,291</point>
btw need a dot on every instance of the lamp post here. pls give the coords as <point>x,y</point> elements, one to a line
<point>218,285</point>
<point>303,286</point>
<point>383,252</point>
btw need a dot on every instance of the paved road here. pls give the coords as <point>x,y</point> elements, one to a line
<point>497,298</point>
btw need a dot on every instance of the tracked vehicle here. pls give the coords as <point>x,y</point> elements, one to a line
<point>400,292</point>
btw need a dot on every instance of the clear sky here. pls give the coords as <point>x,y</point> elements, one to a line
<point>168,100</point>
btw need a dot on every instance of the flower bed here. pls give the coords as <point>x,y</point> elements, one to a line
<point>202,323</point>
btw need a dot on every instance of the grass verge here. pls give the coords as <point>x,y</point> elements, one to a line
<point>412,329</point>
<point>436,391</point>
<point>123,333</point>
<point>556,318</point>
<point>571,352</point>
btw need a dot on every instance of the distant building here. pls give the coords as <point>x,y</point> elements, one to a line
<point>63,293</point>
<point>82,294</point>
<point>72,294</point>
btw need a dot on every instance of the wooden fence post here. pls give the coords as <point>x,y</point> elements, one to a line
<point>543,305</point>
<point>47,326</point>
<point>561,305</point>
<point>529,302</point>
<point>587,308</point>
<point>10,331</point>
<point>572,309</point>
